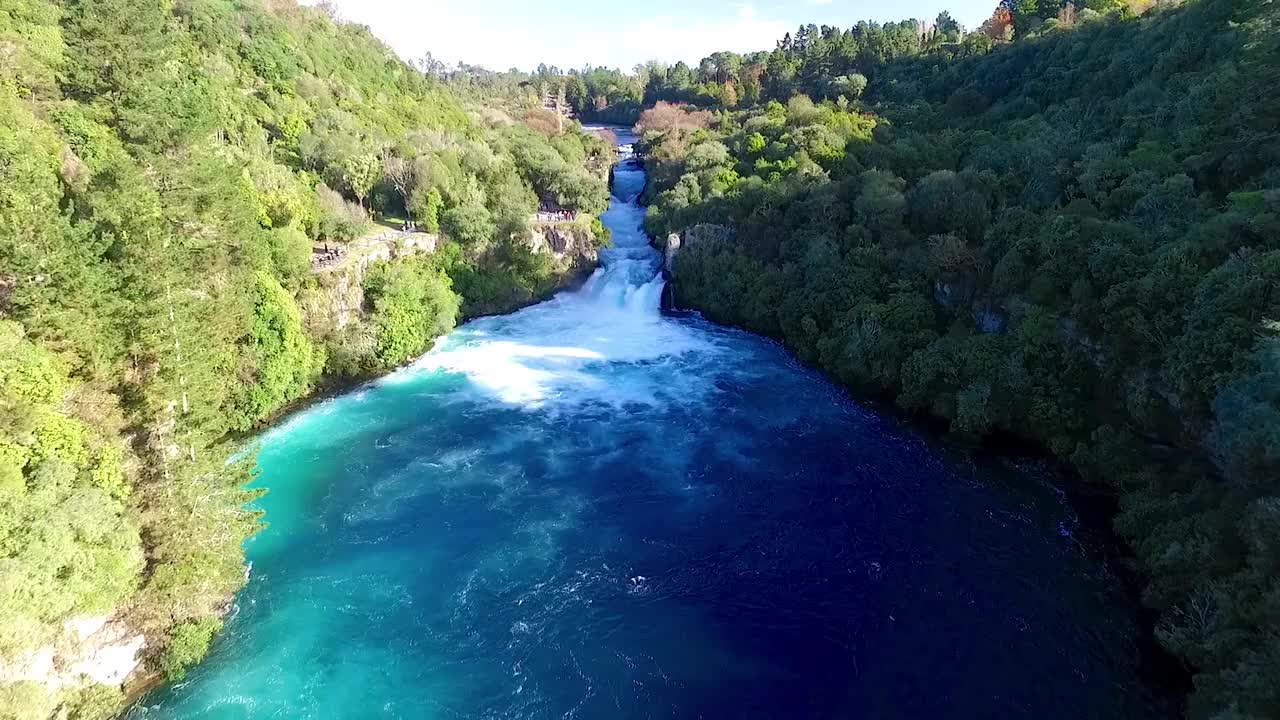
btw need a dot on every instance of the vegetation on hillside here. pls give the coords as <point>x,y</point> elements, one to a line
<point>165,169</point>
<point>819,61</point>
<point>599,95</point>
<point>1063,226</point>
<point>1073,237</point>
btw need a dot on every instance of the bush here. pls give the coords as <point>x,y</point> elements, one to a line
<point>187,645</point>
<point>338,220</point>
<point>281,362</point>
<point>426,205</point>
<point>95,702</point>
<point>412,303</point>
<point>68,547</point>
<point>666,116</point>
<point>471,226</point>
<point>26,701</point>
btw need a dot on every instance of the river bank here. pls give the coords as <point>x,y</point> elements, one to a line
<point>1094,505</point>
<point>588,507</point>
<point>574,259</point>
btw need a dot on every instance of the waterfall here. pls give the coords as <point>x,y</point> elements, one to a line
<point>552,353</point>
<point>591,509</point>
<point>629,277</point>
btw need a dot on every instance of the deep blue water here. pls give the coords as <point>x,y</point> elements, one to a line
<point>589,510</point>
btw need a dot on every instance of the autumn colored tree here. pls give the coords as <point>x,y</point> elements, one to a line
<point>729,94</point>
<point>999,26</point>
<point>667,116</point>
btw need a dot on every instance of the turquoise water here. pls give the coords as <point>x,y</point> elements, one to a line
<point>587,509</point>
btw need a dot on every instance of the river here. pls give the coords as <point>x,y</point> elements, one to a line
<point>589,509</point>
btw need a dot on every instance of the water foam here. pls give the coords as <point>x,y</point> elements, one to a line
<point>557,352</point>
<point>587,509</point>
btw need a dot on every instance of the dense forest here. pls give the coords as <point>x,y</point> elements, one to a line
<point>165,171</point>
<point>1064,227</point>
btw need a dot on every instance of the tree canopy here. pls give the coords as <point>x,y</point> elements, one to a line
<point>166,169</point>
<point>1071,237</point>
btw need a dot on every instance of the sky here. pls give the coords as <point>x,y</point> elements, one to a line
<point>501,34</point>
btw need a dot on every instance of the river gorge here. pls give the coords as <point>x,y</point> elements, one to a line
<point>592,509</point>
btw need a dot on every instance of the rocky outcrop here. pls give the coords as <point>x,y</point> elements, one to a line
<point>338,298</point>
<point>92,650</point>
<point>670,249</point>
<point>703,234</point>
<point>573,248</point>
<point>405,245</point>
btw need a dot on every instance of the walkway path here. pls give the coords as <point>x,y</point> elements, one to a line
<point>380,242</point>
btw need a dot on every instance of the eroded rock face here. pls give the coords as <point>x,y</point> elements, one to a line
<point>97,649</point>
<point>669,252</point>
<point>340,301</point>
<point>573,248</point>
<point>346,297</point>
<point>702,234</point>
<point>557,240</point>
<point>110,655</point>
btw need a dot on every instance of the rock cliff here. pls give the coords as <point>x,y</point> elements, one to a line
<point>696,235</point>
<point>338,299</point>
<point>573,248</point>
<point>97,650</point>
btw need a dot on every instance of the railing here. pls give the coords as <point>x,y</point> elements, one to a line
<point>555,216</point>
<point>328,256</point>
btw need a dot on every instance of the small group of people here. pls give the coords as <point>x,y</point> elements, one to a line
<point>408,226</point>
<point>327,254</point>
<point>557,215</point>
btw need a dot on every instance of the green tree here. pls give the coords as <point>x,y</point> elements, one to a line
<point>413,304</point>
<point>187,644</point>
<point>850,86</point>
<point>360,173</point>
<point>282,363</point>
<point>426,206</point>
<point>471,226</point>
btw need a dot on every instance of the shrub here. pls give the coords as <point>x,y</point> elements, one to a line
<point>666,116</point>
<point>188,644</point>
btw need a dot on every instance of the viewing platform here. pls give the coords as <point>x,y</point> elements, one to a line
<point>550,212</point>
<point>378,245</point>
